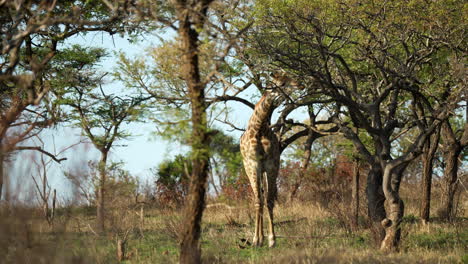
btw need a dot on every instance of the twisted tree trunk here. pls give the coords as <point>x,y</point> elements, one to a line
<point>396,208</point>
<point>375,201</point>
<point>304,166</point>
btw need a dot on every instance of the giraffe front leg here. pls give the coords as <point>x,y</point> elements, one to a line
<point>253,169</point>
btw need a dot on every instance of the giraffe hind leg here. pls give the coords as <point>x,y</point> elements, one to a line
<point>270,196</point>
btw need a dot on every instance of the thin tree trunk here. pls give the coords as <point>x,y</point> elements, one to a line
<point>54,199</point>
<point>1,173</point>
<point>191,18</point>
<point>304,166</point>
<point>100,210</point>
<point>45,196</point>
<point>211,177</point>
<point>375,201</point>
<point>355,193</point>
<point>2,161</point>
<point>427,157</point>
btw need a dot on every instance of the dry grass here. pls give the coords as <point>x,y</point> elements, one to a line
<point>307,233</point>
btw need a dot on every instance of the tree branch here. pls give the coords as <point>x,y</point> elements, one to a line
<point>42,151</point>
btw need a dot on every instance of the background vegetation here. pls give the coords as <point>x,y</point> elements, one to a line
<point>374,132</point>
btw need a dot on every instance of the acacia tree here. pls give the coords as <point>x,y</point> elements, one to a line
<point>100,115</point>
<point>375,60</point>
<point>31,33</point>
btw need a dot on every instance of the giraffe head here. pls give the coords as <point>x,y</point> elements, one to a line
<point>282,84</point>
<point>281,78</point>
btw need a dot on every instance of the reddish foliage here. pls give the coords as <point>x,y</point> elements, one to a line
<point>344,167</point>
<point>172,195</point>
<point>239,189</point>
<point>316,183</point>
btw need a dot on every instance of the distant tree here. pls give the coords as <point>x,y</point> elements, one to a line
<point>43,189</point>
<point>121,186</point>
<point>225,168</point>
<point>100,115</point>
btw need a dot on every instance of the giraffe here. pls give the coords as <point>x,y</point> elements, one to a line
<point>260,149</point>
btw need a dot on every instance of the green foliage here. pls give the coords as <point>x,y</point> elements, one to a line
<point>172,179</point>
<point>160,76</point>
<point>99,114</point>
<point>464,259</point>
<point>74,67</point>
<point>325,150</point>
<point>173,172</point>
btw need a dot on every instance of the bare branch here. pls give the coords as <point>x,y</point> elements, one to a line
<point>36,148</point>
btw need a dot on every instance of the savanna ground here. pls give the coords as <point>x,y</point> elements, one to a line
<point>310,231</point>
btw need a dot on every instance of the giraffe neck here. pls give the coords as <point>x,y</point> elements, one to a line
<point>260,119</point>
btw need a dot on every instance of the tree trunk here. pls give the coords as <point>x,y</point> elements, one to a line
<point>100,207</point>
<point>1,173</point>
<point>392,223</point>
<point>427,158</point>
<point>211,176</point>
<point>355,194</point>
<point>452,149</point>
<point>451,180</point>
<point>191,18</point>
<point>2,161</point>
<point>375,201</point>
<point>52,213</point>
